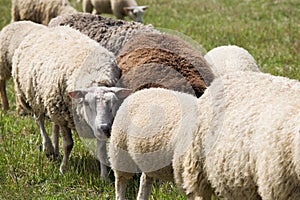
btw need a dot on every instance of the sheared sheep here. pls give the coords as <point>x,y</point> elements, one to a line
<point>230,58</point>
<point>240,139</point>
<point>10,38</point>
<point>152,59</point>
<point>40,11</point>
<point>110,33</point>
<point>48,65</point>
<point>120,8</point>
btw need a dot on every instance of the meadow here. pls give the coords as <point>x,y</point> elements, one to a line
<point>269,30</point>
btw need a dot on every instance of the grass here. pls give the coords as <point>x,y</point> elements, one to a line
<point>269,30</point>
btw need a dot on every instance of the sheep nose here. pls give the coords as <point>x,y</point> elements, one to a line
<point>106,128</point>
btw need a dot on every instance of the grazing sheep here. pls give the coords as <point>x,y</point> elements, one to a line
<point>48,65</point>
<point>161,59</point>
<point>40,11</point>
<point>111,34</point>
<point>230,58</point>
<point>241,139</point>
<point>120,8</point>
<point>10,38</point>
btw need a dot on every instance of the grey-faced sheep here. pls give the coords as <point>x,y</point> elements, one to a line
<point>48,65</point>
<point>152,59</point>
<point>10,38</point>
<point>110,33</point>
<point>230,58</point>
<point>40,11</point>
<point>120,8</point>
<point>240,139</point>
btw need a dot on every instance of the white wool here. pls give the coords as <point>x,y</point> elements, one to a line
<point>226,59</point>
<point>10,38</point>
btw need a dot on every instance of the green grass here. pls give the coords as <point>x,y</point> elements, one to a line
<point>269,30</point>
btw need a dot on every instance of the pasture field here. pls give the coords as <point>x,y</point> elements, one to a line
<point>269,30</point>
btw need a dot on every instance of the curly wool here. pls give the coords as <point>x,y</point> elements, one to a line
<point>52,62</point>
<point>40,11</point>
<point>110,33</point>
<point>150,59</point>
<point>226,59</point>
<point>249,132</point>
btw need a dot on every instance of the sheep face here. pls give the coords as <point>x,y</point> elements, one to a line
<point>135,12</point>
<point>98,106</point>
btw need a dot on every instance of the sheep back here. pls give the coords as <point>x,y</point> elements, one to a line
<point>10,38</point>
<point>164,60</point>
<point>249,132</point>
<point>110,33</point>
<point>52,62</point>
<point>39,11</point>
<point>226,59</point>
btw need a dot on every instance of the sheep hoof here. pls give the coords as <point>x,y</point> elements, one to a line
<point>106,179</point>
<point>63,169</point>
<point>49,150</point>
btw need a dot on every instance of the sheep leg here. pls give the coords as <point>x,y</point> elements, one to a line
<point>47,144</point>
<point>55,139</point>
<point>4,100</point>
<point>145,187</point>
<point>67,147</point>
<point>121,184</point>
<point>87,6</point>
<point>102,157</point>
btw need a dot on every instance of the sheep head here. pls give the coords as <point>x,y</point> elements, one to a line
<point>135,12</point>
<point>98,107</point>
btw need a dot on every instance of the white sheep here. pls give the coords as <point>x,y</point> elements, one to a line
<point>40,11</point>
<point>110,33</point>
<point>230,58</point>
<point>240,139</point>
<point>120,8</point>
<point>48,65</point>
<point>10,38</point>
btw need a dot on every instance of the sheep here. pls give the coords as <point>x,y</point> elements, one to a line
<point>153,59</point>
<point>111,34</point>
<point>239,140</point>
<point>150,128</point>
<point>256,150</point>
<point>40,11</point>
<point>230,58</point>
<point>10,38</point>
<point>120,8</point>
<point>49,64</point>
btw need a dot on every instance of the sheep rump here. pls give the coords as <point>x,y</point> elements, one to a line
<point>110,33</point>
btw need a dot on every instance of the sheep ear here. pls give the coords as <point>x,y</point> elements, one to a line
<point>144,7</point>
<point>77,94</point>
<point>122,93</point>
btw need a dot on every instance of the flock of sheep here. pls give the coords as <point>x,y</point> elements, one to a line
<point>212,124</point>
